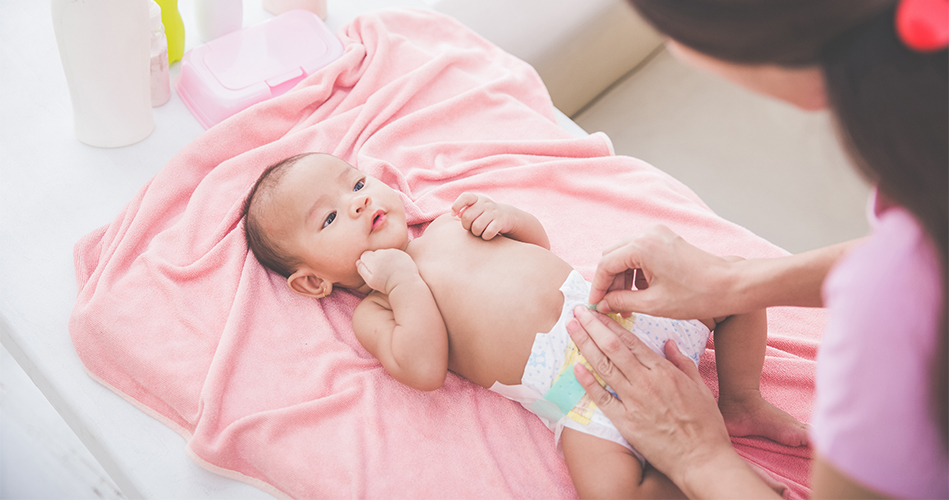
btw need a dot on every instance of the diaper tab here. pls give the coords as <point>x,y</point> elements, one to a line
<point>566,391</point>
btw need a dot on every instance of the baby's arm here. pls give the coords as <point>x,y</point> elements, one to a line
<point>399,322</point>
<point>486,218</point>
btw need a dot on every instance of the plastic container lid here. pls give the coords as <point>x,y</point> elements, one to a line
<point>242,68</point>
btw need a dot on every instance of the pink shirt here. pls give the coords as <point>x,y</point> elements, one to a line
<point>872,417</point>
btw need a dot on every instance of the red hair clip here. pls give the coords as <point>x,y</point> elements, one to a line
<point>923,25</point>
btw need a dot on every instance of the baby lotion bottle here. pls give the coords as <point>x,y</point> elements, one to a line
<point>218,17</point>
<point>104,47</point>
<point>174,29</point>
<point>158,67</point>
<point>276,7</point>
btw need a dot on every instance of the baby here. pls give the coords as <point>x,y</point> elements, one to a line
<point>480,294</point>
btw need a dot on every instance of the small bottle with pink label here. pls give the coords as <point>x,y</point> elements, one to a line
<point>158,64</point>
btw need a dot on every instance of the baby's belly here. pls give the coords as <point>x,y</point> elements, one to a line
<point>495,297</point>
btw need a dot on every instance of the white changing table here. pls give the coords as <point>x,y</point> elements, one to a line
<point>54,189</point>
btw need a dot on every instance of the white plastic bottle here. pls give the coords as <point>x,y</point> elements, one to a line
<point>104,47</point>
<point>276,7</point>
<point>158,66</point>
<point>218,17</point>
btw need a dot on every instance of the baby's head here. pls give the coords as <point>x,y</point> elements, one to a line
<point>310,217</point>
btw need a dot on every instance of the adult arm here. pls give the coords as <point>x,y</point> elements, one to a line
<point>679,280</point>
<point>668,414</point>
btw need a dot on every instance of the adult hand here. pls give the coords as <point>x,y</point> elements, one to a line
<point>664,409</point>
<point>674,279</point>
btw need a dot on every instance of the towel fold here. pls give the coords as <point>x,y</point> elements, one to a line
<point>272,388</point>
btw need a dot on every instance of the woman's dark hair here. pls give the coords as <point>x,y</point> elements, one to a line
<point>267,252</point>
<point>890,103</point>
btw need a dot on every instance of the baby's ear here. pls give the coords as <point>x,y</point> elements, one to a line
<point>308,284</point>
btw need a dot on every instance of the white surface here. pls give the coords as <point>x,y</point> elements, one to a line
<point>40,456</point>
<point>53,190</point>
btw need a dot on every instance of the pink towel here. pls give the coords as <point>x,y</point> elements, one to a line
<point>271,388</point>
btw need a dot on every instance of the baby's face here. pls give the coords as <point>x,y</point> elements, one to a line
<point>328,213</point>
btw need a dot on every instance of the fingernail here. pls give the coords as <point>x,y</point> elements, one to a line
<point>573,326</point>
<point>603,307</point>
<point>580,311</point>
<point>578,371</point>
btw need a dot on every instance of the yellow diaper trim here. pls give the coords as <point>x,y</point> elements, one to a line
<point>583,410</point>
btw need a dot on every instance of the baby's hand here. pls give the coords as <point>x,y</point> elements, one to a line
<point>482,216</point>
<point>385,269</point>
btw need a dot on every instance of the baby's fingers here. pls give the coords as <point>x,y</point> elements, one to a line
<point>473,219</point>
<point>364,270</point>
<point>479,222</point>
<point>494,227</point>
<point>463,201</point>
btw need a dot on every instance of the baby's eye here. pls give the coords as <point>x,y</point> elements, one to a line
<point>329,219</point>
<point>359,185</point>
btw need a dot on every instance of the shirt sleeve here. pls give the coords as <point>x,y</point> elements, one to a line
<point>873,419</point>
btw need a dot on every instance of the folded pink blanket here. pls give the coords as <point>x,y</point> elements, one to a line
<point>271,388</point>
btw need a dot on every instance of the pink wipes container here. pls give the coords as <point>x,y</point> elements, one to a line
<point>242,68</point>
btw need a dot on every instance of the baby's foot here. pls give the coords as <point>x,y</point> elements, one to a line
<point>750,415</point>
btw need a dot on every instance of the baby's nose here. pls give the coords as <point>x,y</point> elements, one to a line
<point>359,204</point>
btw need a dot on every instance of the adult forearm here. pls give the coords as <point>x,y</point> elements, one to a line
<point>728,476</point>
<point>678,280</point>
<point>794,280</point>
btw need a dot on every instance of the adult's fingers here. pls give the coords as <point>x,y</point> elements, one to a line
<point>600,396</point>
<point>613,352</point>
<point>623,281</point>
<point>682,362</point>
<point>627,301</point>
<point>611,264</point>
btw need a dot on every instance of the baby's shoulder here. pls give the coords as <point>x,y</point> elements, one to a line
<point>444,220</point>
<point>442,225</point>
<point>440,240</point>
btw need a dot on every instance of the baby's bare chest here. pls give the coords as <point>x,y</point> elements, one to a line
<point>498,287</point>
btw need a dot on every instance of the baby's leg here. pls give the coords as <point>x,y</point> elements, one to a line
<point>604,469</point>
<point>740,343</point>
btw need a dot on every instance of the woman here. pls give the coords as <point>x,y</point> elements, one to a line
<point>879,426</point>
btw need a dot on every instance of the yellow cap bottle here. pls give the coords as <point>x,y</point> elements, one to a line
<point>174,29</point>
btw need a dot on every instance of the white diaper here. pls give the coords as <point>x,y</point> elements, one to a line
<point>554,354</point>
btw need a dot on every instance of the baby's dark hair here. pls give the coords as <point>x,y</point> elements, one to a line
<point>267,252</point>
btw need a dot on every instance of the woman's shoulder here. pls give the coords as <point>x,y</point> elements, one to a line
<point>897,268</point>
<point>871,417</point>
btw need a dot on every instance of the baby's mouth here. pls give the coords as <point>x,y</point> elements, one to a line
<point>378,219</point>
